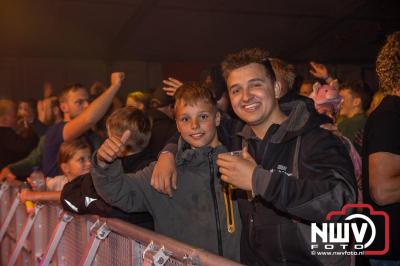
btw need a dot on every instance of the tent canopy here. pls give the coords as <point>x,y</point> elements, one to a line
<point>331,31</point>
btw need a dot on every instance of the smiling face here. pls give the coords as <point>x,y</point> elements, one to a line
<point>197,122</point>
<point>253,95</point>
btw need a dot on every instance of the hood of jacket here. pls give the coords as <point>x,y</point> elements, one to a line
<point>302,117</point>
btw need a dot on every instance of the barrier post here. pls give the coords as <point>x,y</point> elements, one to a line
<point>24,234</point>
<point>152,256</point>
<point>3,189</point>
<point>9,216</point>
<point>65,218</point>
<point>94,242</point>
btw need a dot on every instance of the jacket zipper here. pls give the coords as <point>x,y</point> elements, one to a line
<point>216,211</point>
<point>230,220</point>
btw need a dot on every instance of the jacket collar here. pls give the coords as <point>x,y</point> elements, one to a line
<point>186,154</point>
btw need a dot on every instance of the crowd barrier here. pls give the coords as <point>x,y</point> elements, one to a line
<point>51,236</point>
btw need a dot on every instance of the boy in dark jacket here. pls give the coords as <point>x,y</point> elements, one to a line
<point>80,195</point>
<point>203,213</point>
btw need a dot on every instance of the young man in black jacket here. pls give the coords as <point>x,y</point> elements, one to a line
<point>297,172</point>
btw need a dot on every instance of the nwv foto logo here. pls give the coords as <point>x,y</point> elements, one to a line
<point>342,235</point>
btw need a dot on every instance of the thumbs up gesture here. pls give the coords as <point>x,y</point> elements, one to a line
<point>112,148</point>
<point>237,170</point>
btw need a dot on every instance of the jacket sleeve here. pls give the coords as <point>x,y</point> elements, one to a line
<point>72,199</point>
<point>23,168</point>
<point>19,144</point>
<point>325,183</point>
<point>128,192</point>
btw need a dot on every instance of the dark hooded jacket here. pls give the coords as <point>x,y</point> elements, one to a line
<point>196,214</point>
<point>303,173</point>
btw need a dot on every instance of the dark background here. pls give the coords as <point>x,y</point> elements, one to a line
<point>83,40</point>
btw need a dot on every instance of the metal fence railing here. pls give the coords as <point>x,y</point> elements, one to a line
<point>54,237</point>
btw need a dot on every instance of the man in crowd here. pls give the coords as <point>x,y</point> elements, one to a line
<point>352,110</point>
<point>79,117</point>
<point>13,147</point>
<point>296,171</point>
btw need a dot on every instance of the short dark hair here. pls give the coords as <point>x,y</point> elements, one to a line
<point>358,89</point>
<point>246,57</point>
<point>70,87</point>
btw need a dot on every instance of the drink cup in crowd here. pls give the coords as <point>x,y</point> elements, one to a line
<point>234,153</point>
<point>38,180</point>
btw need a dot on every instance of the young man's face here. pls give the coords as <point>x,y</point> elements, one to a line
<point>197,123</point>
<point>348,104</point>
<point>252,94</point>
<point>76,102</point>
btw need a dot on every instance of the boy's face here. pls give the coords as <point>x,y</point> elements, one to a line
<point>197,122</point>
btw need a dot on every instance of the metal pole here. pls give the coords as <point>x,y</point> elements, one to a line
<point>93,245</point>
<point>4,188</point>
<point>21,239</point>
<point>10,215</point>
<point>55,238</point>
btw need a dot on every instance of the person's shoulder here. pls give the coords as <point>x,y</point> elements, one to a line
<point>55,129</point>
<point>384,116</point>
<point>318,136</point>
<point>7,131</point>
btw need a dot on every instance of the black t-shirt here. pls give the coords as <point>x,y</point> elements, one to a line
<point>382,134</point>
<point>163,129</point>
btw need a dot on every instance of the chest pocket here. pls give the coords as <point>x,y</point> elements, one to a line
<point>295,158</point>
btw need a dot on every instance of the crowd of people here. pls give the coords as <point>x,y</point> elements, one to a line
<point>239,163</point>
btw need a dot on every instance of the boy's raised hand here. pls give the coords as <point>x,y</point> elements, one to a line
<point>237,170</point>
<point>111,149</point>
